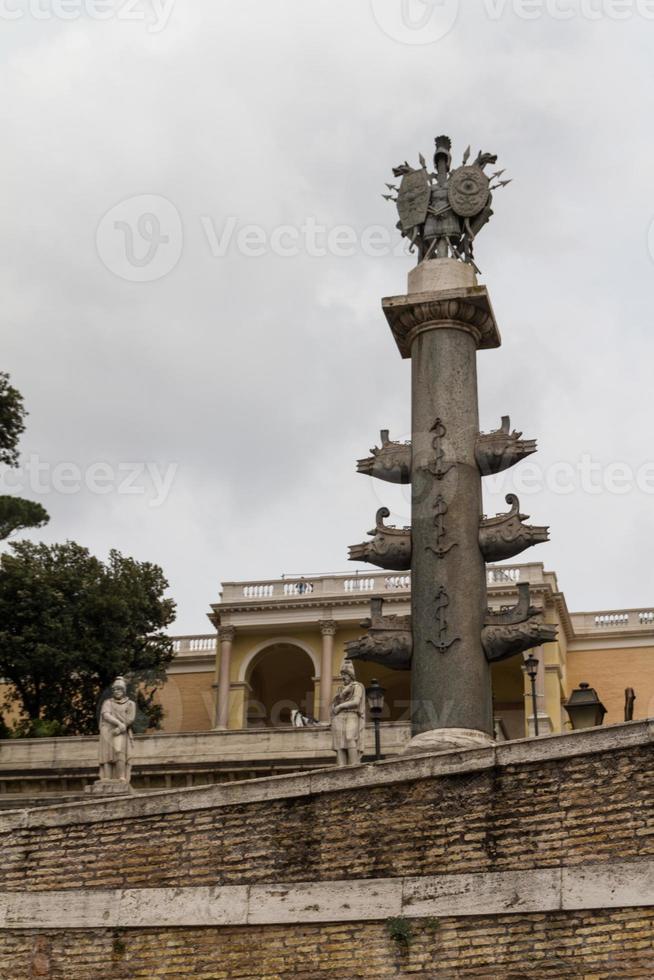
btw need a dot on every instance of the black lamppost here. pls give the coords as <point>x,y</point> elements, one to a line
<point>585,708</point>
<point>531,666</point>
<point>375,694</point>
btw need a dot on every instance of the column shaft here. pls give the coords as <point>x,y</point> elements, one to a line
<point>328,631</point>
<point>450,675</point>
<point>226,637</point>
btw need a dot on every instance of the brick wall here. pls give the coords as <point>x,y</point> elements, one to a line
<point>512,818</point>
<point>593,945</point>
<point>585,808</point>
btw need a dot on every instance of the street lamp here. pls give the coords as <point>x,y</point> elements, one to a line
<point>531,667</point>
<point>375,694</point>
<point>585,708</point>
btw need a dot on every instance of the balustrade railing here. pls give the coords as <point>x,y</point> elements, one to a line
<point>194,644</point>
<point>320,585</point>
<point>613,620</point>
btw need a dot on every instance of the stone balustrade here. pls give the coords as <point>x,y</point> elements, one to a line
<point>606,621</point>
<point>335,585</point>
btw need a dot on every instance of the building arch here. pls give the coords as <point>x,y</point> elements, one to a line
<point>248,660</point>
<point>279,676</point>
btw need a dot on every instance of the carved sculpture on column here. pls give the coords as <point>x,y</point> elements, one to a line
<point>389,640</point>
<point>506,536</point>
<point>515,630</point>
<point>349,718</point>
<point>390,547</point>
<point>500,450</point>
<point>391,463</point>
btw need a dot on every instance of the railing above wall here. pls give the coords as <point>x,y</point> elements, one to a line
<point>334,585</point>
<point>194,644</point>
<point>613,620</point>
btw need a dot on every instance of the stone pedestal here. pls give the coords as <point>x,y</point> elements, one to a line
<point>109,787</point>
<point>448,740</point>
<point>438,274</point>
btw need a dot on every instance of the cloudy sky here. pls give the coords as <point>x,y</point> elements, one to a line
<point>195,249</point>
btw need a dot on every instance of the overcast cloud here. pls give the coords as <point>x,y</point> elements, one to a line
<point>238,389</point>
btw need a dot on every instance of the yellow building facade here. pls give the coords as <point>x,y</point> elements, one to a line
<point>279,644</point>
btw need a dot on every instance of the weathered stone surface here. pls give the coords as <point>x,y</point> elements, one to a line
<point>460,835</point>
<point>392,462</point>
<point>109,787</point>
<point>463,309</point>
<point>500,450</point>
<point>348,718</point>
<point>450,677</point>
<point>502,642</point>
<point>434,275</point>
<point>615,884</point>
<point>448,740</point>
<point>595,945</point>
<point>506,535</point>
<point>389,640</point>
<point>390,547</point>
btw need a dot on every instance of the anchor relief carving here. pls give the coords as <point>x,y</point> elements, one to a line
<point>390,547</point>
<point>391,463</point>
<point>500,450</point>
<point>438,467</point>
<point>515,630</point>
<point>442,605</point>
<point>389,640</point>
<point>506,536</point>
<point>441,509</point>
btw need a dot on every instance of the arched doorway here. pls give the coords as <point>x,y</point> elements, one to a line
<point>280,678</point>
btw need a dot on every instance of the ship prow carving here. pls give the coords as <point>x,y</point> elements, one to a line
<point>501,449</point>
<point>516,629</point>
<point>390,547</point>
<point>503,642</point>
<point>392,462</point>
<point>389,640</point>
<point>505,536</point>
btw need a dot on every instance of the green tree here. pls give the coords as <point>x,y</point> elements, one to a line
<point>69,624</point>
<point>12,421</point>
<point>15,514</point>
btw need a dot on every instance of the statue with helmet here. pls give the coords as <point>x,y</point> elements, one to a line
<point>441,213</point>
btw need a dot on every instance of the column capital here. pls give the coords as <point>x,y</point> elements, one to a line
<point>226,634</point>
<point>328,627</point>
<point>464,309</point>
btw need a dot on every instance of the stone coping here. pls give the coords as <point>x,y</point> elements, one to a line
<point>610,885</point>
<point>182,748</point>
<point>398,770</point>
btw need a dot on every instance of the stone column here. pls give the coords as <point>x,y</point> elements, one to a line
<point>451,677</point>
<point>441,331</point>
<point>226,636</point>
<point>328,630</point>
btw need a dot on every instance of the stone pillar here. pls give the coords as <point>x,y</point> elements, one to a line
<point>226,638</point>
<point>328,630</point>
<point>441,331</point>
<point>451,677</point>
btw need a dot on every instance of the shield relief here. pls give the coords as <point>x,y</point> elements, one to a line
<point>413,199</point>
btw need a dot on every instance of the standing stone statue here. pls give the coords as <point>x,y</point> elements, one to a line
<point>349,718</point>
<point>116,735</point>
